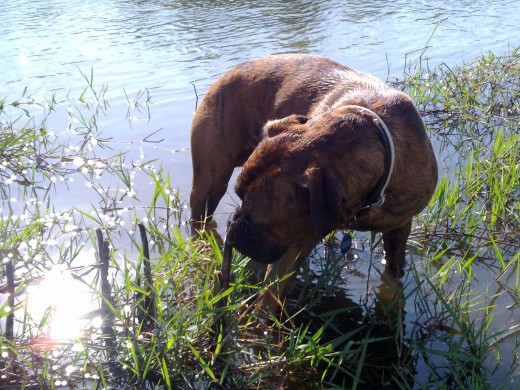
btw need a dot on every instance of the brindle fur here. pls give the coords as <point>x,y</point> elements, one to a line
<point>311,171</point>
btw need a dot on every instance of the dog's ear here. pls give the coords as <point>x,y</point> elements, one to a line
<point>279,126</point>
<point>327,199</point>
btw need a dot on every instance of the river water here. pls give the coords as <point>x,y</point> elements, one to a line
<point>173,48</point>
<point>173,51</point>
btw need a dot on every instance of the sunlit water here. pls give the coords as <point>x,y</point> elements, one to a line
<point>175,49</point>
<point>66,300</point>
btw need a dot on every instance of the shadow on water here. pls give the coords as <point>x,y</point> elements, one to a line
<point>373,333</point>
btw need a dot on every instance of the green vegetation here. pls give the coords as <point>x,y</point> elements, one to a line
<point>151,320</point>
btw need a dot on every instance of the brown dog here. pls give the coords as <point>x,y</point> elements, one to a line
<point>320,167</point>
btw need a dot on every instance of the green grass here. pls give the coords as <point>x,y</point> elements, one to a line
<point>450,323</point>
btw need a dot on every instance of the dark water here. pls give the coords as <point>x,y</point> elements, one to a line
<point>176,49</point>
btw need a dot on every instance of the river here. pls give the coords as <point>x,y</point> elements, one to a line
<point>174,48</point>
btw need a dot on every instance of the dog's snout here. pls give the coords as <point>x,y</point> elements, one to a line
<point>248,238</point>
<point>238,228</point>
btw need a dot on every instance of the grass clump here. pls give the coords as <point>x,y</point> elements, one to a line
<point>142,310</point>
<point>471,227</point>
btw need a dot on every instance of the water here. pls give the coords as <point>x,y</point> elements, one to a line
<point>172,48</point>
<point>176,49</point>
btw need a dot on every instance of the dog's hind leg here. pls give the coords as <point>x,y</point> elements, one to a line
<point>394,244</point>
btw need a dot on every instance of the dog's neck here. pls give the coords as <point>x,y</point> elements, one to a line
<point>377,197</point>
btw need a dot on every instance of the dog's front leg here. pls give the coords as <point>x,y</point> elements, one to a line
<point>394,244</point>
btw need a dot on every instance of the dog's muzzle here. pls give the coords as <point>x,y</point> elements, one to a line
<point>242,235</point>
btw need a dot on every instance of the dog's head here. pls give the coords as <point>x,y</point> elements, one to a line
<point>305,178</point>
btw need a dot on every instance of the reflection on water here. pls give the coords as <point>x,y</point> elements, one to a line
<point>66,301</point>
<point>337,320</point>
